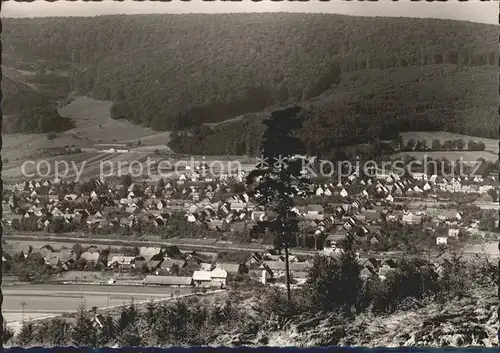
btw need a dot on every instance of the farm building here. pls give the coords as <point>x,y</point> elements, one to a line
<point>218,277</point>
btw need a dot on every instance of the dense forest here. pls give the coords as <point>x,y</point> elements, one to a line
<point>377,105</point>
<point>29,111</point>
<point>18,96</point>
<point>177,72</point>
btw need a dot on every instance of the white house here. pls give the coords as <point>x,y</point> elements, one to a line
<point>442,240</point>
<point>202,278</point>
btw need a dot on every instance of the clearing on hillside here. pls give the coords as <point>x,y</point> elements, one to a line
<point>93,121</point>
<point>93,124</point>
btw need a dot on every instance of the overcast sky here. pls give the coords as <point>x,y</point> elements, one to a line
<point>472,10</point>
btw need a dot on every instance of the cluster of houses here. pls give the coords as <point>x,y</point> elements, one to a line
<point>38,205</point>
<point>167,265</point>
<point>391,185</point>
<point>386,199</point>
<point>368,222</point>
<point>382,267</point>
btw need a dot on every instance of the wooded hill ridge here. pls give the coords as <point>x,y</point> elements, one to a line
<point>176,72</point>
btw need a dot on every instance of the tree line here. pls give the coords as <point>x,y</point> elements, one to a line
<point>448,145</point>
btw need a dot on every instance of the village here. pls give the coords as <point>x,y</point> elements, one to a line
<point>418,214</point>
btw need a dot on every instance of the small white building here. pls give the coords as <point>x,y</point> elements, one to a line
<point>218,277</point>
<point>442,240</point>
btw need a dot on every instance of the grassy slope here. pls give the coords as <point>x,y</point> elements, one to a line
<point>92,125</point>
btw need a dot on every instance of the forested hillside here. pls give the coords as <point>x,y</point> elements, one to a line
<point>175,72</point>
<point>27,110</point>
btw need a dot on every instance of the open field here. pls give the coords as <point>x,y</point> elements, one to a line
<point>92,120</point>
<point>429,136</point>
<point>93,124</point>
<point>22,146</point>
<point>159,139</point>
<point>88,165</point>
<point>55,298</point>
<point>47,300</point>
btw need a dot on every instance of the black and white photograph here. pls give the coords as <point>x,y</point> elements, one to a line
<point>250,173</point>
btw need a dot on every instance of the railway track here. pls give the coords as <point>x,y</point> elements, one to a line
<point>216,246</point>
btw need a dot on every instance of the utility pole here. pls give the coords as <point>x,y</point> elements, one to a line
<point>288,293</point>
<point>22,311</point>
